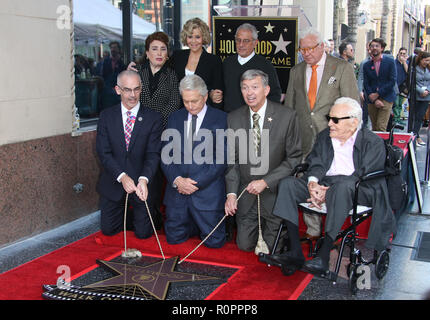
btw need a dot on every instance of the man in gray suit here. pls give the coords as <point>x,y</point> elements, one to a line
<point>313,86</point>
<point>271,131</point>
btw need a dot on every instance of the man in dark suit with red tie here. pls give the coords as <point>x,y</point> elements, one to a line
<point>128,145</point>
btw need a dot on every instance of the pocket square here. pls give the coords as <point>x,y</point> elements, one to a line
<point>331,80</point>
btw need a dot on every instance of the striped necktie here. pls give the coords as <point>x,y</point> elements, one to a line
<point>128,128</point>
<point>257,132</point>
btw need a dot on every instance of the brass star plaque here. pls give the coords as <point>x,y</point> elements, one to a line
<point>153,279</point>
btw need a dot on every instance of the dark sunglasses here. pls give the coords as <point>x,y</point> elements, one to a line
<point>336,119</point>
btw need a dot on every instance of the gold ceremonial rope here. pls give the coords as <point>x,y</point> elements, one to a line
<point>213,230</point>
<point>131,253</point>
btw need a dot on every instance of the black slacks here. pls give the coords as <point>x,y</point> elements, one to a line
<point>112,216</point>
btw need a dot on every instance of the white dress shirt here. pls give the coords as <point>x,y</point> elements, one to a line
<point>242,60</point>
<point>261,113</point>
<point>200,117</point>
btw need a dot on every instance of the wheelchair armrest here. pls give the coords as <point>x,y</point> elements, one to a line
<point>374,175</point>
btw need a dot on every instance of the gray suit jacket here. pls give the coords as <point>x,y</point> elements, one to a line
<point>284,153</point>
<point>338,80</point>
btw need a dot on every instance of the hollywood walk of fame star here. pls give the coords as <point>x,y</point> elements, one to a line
<point>281,44</point>
<point>269,28</point>
<point>154,278</point>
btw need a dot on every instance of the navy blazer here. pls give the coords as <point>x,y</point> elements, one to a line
<point>209,176</point>
<point>142,157</point>
<point>384,82</point>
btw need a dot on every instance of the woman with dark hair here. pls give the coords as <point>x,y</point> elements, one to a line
<point>160,92</point>
<point>160,86</point>
<point>196,60</point>
<point>422,86</point>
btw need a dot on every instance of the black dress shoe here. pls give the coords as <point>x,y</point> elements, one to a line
<point>286,259</point>
<point>316,266</point>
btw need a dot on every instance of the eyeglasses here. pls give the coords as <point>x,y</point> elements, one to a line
<point>244,41</point>
<point>309,50</point>
<point>129,91</point>
<point>336,119</point>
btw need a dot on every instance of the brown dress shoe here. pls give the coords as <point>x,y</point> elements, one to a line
<point>312,238</point>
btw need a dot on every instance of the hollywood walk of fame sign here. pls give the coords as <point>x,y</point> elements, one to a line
<point>130,282</point>
<point>277,41</point>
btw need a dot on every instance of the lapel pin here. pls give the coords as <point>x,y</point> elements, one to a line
<point>269,119</point>
<point>139,119</point>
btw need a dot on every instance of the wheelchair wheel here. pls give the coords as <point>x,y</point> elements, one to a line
<point>381,265</point>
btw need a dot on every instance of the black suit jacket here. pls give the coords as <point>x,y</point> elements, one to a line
<point>368,156</point>
<point>209,69</point>
<point>142,157</point>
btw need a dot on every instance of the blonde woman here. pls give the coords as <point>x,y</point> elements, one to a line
<point>196,60</point>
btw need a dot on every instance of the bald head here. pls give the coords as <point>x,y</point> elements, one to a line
<point>127,73</point>
<point>129,88</point>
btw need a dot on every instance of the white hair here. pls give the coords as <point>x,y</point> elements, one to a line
<point>355,110</point>
<point>193,82</point>
<point>310,31</point>
<point>249,27</point>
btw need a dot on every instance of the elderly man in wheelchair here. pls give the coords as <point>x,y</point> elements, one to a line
<point>342,154</point>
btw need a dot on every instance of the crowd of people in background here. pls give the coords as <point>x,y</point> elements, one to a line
<point>195,87</point>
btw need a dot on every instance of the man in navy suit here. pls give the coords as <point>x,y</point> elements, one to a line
<point>379,81</point>
<point>128,144</point>
<point>195,191</point>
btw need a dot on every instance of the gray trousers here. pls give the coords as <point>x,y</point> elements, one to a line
<point>247,228</point>
<point>339,200</point>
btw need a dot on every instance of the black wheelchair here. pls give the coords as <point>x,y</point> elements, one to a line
<point>348,238</point>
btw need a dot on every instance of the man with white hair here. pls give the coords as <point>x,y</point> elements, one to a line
<point>341,154</point>
<point>313,86</point>
<point>195,192</point>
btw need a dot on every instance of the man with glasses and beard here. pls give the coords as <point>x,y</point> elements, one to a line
<point>379,79</point>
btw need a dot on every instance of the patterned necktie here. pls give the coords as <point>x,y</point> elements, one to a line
<point>312,93</point>
<point>128,128</point>
<point>257,132</point>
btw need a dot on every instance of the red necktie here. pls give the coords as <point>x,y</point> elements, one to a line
<point>128,128</point>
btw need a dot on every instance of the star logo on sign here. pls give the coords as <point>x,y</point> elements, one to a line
<point>281,45</point>
<point>153,279</point>
<point>269,28</point>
